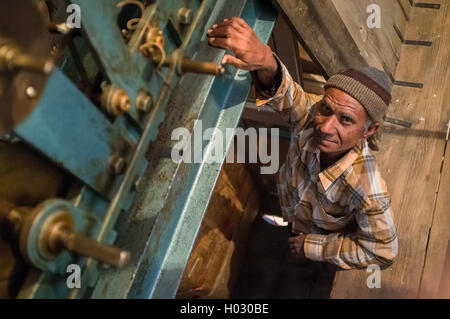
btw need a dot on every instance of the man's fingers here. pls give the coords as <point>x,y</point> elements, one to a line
<point>238,22</point>
<point>231,60</point>
<point>222,31</point>
<point>232,22</point>
<point>223,43</point>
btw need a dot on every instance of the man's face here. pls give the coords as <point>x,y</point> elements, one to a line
<point>339,122</point>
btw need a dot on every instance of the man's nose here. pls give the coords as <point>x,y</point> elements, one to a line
<point>328,127</point>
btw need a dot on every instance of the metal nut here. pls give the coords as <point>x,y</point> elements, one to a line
<point>117,165</point>
<point>115,100</point>
<point>139,184</point>
<point>144,101</point>
<point>185,16</point>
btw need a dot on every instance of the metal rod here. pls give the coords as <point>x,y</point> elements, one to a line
<point>188,65</point>
<point>89,247</point>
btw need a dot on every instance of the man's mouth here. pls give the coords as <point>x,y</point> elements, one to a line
<point>321,139</point>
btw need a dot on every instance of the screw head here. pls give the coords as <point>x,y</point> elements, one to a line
<point>117,164</point>
<point>139,184</point>
<point>31,92</point>
<point>185,16</point>
<point>144,101</point>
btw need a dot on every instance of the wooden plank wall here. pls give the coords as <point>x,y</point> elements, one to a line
<point>380,47</point>
<point>412,162</point>
<point>336,35</point>
<point>319,28</point>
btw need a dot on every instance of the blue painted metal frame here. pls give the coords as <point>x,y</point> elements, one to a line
<point>162,225</point>
<point>70,130</point>
<point>161,228</point>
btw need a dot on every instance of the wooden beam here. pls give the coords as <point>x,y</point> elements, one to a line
<point>322,33</point>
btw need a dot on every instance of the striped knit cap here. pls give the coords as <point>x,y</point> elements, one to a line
<point>369,86</point>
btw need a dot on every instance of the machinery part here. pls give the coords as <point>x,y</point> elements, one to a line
<point>31,92</point>
<point>70,130</point>
<point>144,101</point>
<point>132,23</point>
<point>139,184</point>
<point>184,64</point>
<point>185,16</point>
<point>49,231</point>
<point>26,179</point>
<point>58,234</point>
<point>23,47</point>
<point>117,165</point>
<point>114,100</point>
<point>12,59</point>
<point>153,46</point>
<point>188,65</point>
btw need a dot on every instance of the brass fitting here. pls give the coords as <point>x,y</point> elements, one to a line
<point>114,100</point>
<point>185,16</point>
<point>144,101</point>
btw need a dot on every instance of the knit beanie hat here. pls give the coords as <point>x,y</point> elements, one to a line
<point>369,86</point>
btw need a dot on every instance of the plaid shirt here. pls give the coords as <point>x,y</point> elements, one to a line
<point>345,209</point>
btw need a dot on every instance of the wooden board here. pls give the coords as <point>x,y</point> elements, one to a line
<point>322,33</point>
<point>336,35</point>
<point>438,244</point>
<point>380,47</point>
<point>406,7</point>
<point>410,159</point>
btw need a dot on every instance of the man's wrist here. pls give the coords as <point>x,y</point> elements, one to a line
<point>269,75</point>
<point>270,64</point>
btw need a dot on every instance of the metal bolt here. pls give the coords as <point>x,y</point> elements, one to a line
<point>144,101</point>
<point>185,16</point>
<point>139,184</point>
<point>31,92</point>
<point>117,164</point>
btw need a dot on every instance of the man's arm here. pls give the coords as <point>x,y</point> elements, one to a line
<point>274,85</point>
<point>375,241</point>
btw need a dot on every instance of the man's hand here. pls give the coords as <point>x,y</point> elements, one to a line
<point>250,53</point>
<point>296,246</point>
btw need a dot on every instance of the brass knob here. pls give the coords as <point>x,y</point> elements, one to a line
<point>115,100</point>
<point>189,65</point>
<point>185,64</point>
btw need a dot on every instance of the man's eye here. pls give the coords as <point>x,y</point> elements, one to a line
<point>326,107</point>
<point>347,119</point>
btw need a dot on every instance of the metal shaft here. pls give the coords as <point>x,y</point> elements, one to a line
<point>189,65</point>
<point>88,247</point>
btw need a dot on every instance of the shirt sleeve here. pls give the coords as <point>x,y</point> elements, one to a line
<point>374,242</point>
<point>286,97</point>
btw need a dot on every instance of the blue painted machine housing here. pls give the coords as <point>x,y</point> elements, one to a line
<point>158,225</point>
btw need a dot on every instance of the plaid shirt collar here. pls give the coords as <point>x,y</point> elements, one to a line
<point>332,173</point>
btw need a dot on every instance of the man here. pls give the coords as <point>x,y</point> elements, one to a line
<point>330,188</point>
